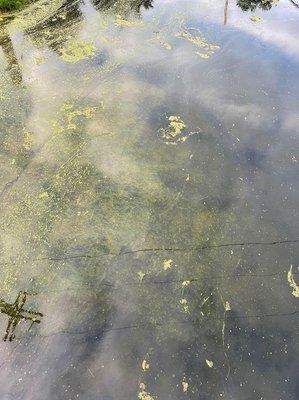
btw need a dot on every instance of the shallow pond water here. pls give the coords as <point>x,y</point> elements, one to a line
<point>149,200</point>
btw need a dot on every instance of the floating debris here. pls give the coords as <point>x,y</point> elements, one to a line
<point>43,195</point>
<point>166,45</point>
<point>143,395</point>
<point>145,365</point>
<point>185,386</point>
<point>292,283</point>
<point>141,275</point>
<point>184,303</point>
<point>167,264</point>
<point>256,19</point>
<point>39,60</point>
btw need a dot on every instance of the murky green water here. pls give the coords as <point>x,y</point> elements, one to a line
<point>149,200</point>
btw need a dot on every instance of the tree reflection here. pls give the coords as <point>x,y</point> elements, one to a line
<point>251,5</point>
<point>56,30</point>
<point>134,6</point>
<point>14,68</point>
<point>294,3</point>
<point>225,11</point>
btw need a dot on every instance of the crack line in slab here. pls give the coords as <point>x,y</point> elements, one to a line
<point>166,282</point>
<point>158,249</point>
<point>186,322</point>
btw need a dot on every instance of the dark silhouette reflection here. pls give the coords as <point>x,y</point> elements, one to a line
<point>121,6</point>
<point>295,4</point>
<point>251,5</point>
<point>57,29</point>
<point>53,31</point>
<point>17,313</point>
<point>14,68</point>
<point>225,11</point>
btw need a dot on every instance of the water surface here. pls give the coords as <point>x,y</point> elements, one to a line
<point>149,200</point>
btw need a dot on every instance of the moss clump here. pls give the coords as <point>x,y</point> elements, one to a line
<point>10,5</point>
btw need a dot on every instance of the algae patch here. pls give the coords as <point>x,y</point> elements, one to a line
<point>143,395</point>
<point>28,140</point>
<point>122,22</point>
<point>205,49</point>
<point>185,386</point>
<point>292,283</point>
<point>167,264</point>
<point>77,51</point>
<point>176,131</point>
<point>141,275</point>
<point>72,115</point>
<point>145,365</point>
<point>256,19</point>
<point>209,363</point>
<point>39,60</point>
<point>184,304</point>
<point>43,195</point>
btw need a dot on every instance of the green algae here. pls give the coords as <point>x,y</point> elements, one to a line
<point>104,182</point>
<point>39,60</point>
<point>72,114</point>
<point>28,140</point>
<point>256,19</point>
<point>185,386</point>
<point>45,206</point>
<point>175,128</point>
<point>206,49</point>
<point>78,51</point>
<point>122,22</point>
<point>167,264</point>
<point>292,283</point>
<point>143,394</point>
<point>34,13</point>
<point>176,132</point>
<point>209,363</point>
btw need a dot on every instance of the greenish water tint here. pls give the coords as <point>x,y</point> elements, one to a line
<point>149,197</point>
